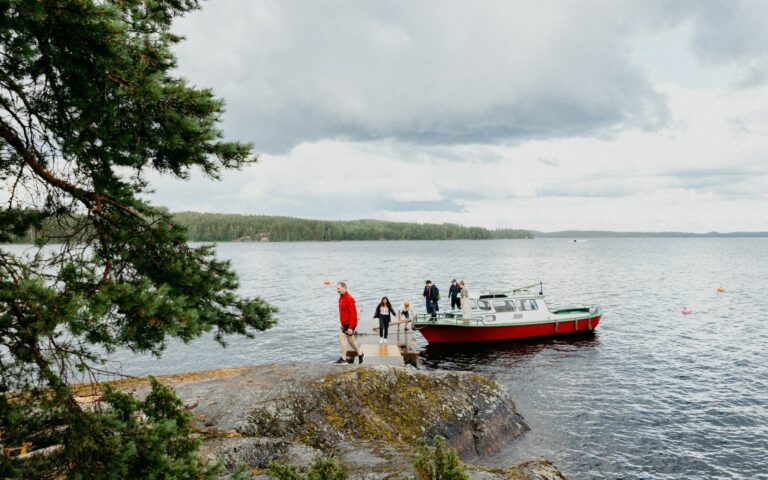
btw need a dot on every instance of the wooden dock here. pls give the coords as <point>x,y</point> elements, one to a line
<point>399,350</point>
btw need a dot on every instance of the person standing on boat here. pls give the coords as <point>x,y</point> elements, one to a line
<point>454,292</point>
<point>404,312</point>
<point>466,308</point>
<point>384,312</point>
<point>348,319</point>
<point>431,295</point>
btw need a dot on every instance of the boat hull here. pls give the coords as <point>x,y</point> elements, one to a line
<point>460,334</point>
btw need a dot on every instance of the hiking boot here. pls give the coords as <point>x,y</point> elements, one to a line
<point>360,358</point>
<point>340,361</point>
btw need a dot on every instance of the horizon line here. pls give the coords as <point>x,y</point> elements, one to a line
<point>570,232</point>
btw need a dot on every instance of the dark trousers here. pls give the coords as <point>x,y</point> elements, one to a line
<point>455,302</point>
<point>432,308</point>
<point>384,325</point>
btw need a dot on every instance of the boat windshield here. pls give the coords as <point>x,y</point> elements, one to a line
<point>484,305</point>
<point>503,305</point>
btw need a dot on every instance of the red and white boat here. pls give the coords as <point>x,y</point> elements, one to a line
<point>506,315</point>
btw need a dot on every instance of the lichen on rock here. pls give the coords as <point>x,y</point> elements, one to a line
<point>393,404</point>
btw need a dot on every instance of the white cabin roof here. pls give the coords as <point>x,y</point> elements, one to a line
<point>530,291</point>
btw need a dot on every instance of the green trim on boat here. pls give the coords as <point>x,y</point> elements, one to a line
<point>570,310</point>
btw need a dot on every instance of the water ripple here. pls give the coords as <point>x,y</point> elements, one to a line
<point>653,394</point>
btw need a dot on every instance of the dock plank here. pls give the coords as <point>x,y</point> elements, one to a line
<point>400,349</point>
<point>382,354</point>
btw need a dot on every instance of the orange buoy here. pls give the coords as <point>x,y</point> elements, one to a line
<point>326,282</point>
<point>720,290</point>
<point>686,311</point>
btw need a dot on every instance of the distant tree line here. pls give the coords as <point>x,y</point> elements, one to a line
<point>216,227</point>
<point>213,227</point>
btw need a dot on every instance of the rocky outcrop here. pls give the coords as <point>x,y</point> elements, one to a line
<point>391,405</point>
<point>367,416</point>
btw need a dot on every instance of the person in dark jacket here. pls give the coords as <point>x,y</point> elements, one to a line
<point>348,319</point>
<point>384,312</point>
<point>431,296</point>
<point>454,293</point>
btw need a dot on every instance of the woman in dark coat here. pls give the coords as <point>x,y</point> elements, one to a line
<point>384,312</point>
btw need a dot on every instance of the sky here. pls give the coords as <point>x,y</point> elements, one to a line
<point>615,115</point>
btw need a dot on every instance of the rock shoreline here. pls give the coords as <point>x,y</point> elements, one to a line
<point>366,416</point>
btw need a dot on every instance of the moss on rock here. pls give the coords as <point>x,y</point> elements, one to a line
<point>393,404</point>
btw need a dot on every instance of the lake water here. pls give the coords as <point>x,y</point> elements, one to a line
<point>652,394</point>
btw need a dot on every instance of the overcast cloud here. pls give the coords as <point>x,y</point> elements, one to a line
<point>542,115</point>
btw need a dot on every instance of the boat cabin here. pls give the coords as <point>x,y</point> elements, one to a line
<point>499,304</point>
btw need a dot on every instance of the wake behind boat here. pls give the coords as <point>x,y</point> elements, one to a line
<point>506,315</point>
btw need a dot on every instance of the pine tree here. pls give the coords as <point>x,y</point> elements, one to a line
<point>89,103</point>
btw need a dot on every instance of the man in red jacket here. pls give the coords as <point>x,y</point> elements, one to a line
<point>348,319</point>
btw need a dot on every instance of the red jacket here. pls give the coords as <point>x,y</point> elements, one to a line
<point>347,310</point>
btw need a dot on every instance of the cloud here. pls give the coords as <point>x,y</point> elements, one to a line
<point>443,73</point>
<point>417,72</point>
<point>730,31</point>
<point>659,210</point>
<point>547,161</point>
<point>754,73</point>
<point>543,115</point>
<point>686,176</point>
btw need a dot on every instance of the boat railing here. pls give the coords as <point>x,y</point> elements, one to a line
<point>455,317</point>
<point>516,291</point>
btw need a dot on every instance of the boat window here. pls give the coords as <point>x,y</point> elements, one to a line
<point>503,306</point>
<point>483,305</point>
<point>526,304</point>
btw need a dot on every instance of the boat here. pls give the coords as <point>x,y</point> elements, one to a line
<point>506,315</point>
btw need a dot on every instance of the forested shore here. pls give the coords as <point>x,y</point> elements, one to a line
<point>219,227</point>
<point>216,227</point>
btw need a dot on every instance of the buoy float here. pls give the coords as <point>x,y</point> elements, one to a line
<point>686,311</point>
<point>326,282</point>
<point>720,290</point>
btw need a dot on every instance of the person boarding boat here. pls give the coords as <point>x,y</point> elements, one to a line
<point>431,296</point>
<point>466,308</point>
<point>405,312</point>
<point>454,291</point>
